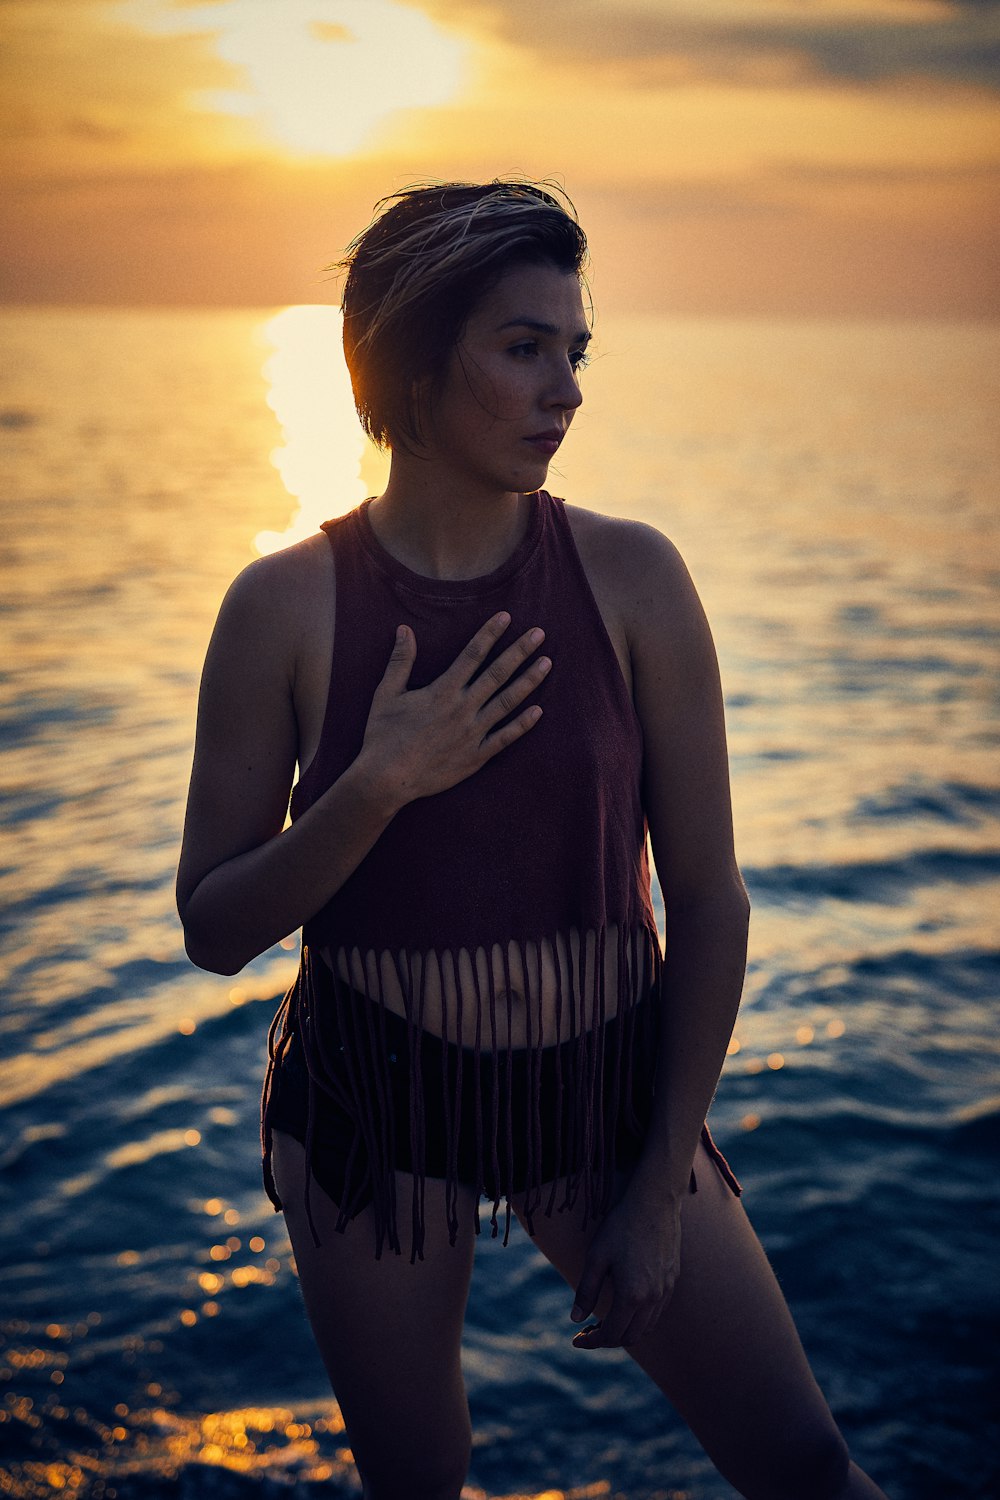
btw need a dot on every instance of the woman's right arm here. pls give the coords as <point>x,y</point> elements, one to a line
<point>244,880</point>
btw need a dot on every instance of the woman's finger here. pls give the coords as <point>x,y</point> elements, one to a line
<point>586,1338</point>
<point>504,702</point>
<point>616,1331</point>
<point>588,1288</point>
<point>400,663</point>
<point>499,739</point>
<point>642,1323</point>
<point>610,1331</point>
<point>470,659</point>
<point>494,678</point>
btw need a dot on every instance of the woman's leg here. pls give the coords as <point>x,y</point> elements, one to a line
<point>389,1335</point>
<point>727,1355</point>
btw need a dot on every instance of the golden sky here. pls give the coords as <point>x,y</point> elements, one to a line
<point>726,156</point>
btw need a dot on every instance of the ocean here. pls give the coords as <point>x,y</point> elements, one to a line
<point>833,487</point>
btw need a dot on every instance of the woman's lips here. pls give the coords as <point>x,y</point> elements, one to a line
<point>545,442</point>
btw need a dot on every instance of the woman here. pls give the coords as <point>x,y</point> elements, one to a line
<point>491,695</point>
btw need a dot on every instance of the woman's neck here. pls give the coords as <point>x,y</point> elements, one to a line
<point>442,533</point>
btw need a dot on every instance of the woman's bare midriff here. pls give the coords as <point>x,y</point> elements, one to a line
<point>544,993</point>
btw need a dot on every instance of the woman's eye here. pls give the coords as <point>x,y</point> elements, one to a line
<point>524,351</point>
<point>578,358</point>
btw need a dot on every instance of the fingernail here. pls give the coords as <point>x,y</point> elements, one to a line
<point>400,632</point>
<point>503,618</point>
<point>536,636</point>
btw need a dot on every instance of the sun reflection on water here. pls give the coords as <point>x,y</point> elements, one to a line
<point>325,460</point>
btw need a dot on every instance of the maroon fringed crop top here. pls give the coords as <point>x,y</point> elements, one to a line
<point>511,911</point>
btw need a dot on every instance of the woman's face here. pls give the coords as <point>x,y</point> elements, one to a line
<point>512,385</point>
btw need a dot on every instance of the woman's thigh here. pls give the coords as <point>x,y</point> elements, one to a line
<point>726,1352</point>
<point>389,1333</point>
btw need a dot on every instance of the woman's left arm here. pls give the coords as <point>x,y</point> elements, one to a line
<point>686,795</point>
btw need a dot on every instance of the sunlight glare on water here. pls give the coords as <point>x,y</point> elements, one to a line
<point>325,454</point>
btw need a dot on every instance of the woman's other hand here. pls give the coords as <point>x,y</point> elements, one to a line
<point>629,1274</point>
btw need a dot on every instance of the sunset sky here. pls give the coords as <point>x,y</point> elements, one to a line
<point>726,156</point>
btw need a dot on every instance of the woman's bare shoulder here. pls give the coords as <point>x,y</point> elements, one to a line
<point>281,592</point>
<point>279,579</point>
<point>627,560</point>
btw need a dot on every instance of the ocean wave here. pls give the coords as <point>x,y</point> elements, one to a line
<point>889,881</point>
<point>34,715</point>
<point>101,1047</point>
<point>955,802</point>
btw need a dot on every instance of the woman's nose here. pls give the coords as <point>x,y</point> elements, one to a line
<point>566,391</point>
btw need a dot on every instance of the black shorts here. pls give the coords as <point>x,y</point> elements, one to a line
<point>494,1153</point>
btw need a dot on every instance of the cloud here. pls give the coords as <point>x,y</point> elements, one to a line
<point>658,41</point>
<point>962,48</point>
<point>79,82</point>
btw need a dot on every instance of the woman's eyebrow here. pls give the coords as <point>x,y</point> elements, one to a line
<point>582,337</point>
